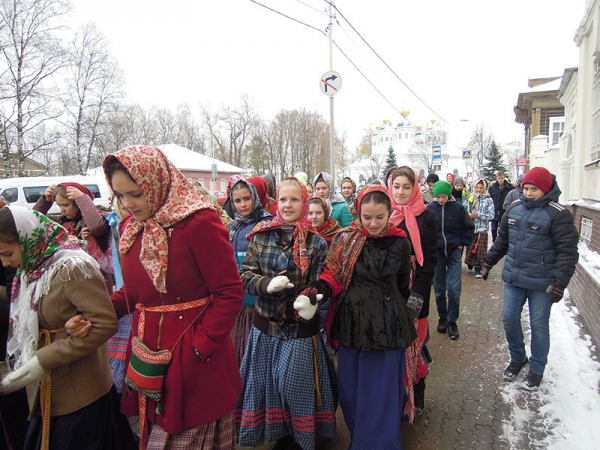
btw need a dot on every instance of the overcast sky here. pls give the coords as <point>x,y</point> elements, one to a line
<point>467,59</point>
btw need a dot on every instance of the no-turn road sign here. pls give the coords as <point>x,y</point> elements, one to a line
<point>330,83</point>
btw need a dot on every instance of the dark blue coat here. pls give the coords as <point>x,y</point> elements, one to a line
<point>539,240</point>
<point>454,226</point>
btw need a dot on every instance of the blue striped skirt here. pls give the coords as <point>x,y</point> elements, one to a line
<point>280,391</point>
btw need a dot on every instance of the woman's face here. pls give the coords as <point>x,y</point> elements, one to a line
<point>347,189</point>
<point>290,202</point>
<point>68,208</point>
<point>11,255</point>
<point>322,190</point>
<point>310,189</point>
<point>374,217</point>
<point>316,215</point>
<point>242,201</point>
<point>402,190</point>
<point>130,195</point>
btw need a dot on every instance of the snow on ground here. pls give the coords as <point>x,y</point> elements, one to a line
<point>564,413</point>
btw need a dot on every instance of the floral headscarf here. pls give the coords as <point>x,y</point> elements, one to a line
<point>409,213</point>
<point>42,242</point>
<point>171,198</point>
<point>301,229</point>
<point>334,196</point>
<point>228,204</point>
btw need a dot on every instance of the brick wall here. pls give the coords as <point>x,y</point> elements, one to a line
<point>585,290</point>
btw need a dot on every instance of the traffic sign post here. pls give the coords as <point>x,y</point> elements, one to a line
<point>331,83</point>
<point>466,154</point>
<point>436,152</point>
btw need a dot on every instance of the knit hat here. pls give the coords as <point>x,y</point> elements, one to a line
<point>540,177</point>
<point>432,178</point>
<point>458,180</point>
<point>442,188</point>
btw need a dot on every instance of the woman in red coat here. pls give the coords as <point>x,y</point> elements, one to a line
<point>181,279</point>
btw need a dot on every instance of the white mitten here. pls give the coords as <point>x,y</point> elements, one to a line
<point>279,283</point>
<point>31,372</point>
<point>305,307</point>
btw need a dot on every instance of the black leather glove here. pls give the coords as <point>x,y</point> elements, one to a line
<point>556,292</point>
<point>414,303</point>
<point>485,271</point>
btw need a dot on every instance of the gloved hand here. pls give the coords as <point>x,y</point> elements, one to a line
<point>31,372</point>
<point>279,283</point>
<point>306,303</point>
<point>556,292</point>
<point>414,303</point>
<point>485,271</point>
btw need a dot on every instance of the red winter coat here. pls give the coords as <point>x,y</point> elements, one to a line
<point>201,263</point>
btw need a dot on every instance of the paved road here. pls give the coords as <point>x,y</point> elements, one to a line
<point>464,404</point>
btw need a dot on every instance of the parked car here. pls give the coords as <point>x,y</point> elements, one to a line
<point>26,191</point>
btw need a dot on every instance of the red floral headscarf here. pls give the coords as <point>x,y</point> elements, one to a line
<point>82,188</point>
<point>171,198</point>
<point>302,228</point>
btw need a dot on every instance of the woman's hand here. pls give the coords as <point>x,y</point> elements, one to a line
<point>473,214</point>
<point>50,191</point>
<point>73,193</point>
<point>77,326</point>
<point>85,234</point>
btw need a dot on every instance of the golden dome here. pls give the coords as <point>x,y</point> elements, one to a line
<point>405,112</point>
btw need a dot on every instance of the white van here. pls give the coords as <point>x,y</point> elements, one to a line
<point>27,190</point>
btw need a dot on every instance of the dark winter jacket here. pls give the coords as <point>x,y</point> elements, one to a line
<point>373,314</point>
<point>424,274</point>
<point>498,193</point>
<point>454,226</point>
<point>240,247</point>
<point>539,240</point>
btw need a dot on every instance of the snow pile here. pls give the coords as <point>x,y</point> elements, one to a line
<point>589,260</point>
<point>564,412</point>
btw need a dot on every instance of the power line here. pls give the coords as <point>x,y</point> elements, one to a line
<point>345,56</point>
<point>384,63</point>
<point>312,7</point>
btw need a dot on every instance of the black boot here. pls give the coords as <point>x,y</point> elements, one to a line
<point>283,443</point>
<point>419,389</point>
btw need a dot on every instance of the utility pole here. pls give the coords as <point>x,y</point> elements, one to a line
<point>331,123</point>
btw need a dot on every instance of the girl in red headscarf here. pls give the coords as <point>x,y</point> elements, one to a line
<point>319,218</point>
<point>410,214</point>
<point>82,219</point>
<point>367,278</point>
<point>289,392</point>
<point>181,279</point>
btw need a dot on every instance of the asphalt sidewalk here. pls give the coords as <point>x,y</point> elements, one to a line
<point>464,406</point>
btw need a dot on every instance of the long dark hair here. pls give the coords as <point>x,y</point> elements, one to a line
<point>8,229</point>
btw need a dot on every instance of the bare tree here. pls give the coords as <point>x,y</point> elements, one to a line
<point>31,54</point>
<point>94,86</point>
<point>230,128</point>
<point>189,134</point>
<point>365,147</point>
<point>480,143</point>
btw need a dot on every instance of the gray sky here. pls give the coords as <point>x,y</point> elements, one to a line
<point>468,59</point>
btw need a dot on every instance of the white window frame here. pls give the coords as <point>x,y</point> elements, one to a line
<point>595,143</point>
<point>554,136</point>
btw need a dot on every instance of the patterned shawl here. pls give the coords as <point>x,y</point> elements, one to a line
<point>257,209</point>
<point>409,212</point>
<point>171,198</point>
<point>45,248</point>
<point>334,196</point>
<point>301,229</point>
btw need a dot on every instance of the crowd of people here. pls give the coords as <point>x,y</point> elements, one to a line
<point>220,326</point>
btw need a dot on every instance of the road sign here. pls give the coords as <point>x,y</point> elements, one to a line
<point>436,152</point>
<point>297,167</point>
<point>522,162</point>
<point>330,83</point>
<point>214,171</point>
<point>466,154</point>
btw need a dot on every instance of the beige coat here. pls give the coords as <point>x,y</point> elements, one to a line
<point>80,367</point>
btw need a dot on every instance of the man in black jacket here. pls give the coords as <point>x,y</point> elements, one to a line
<point>498,192</point>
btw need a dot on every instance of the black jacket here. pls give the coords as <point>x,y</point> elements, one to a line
<point>498,193</point>
<point>424,274</point>
<point>539,240</point>
<point>454,226</point>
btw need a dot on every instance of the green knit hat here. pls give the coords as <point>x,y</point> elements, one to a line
<point>442,187</point>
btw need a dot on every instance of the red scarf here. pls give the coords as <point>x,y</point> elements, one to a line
<point>301,229</point>
<point>409,213</point>
<point>329,229</point>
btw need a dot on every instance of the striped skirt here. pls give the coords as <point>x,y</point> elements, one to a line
<point>480,246</point>
<point>281,396</point>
